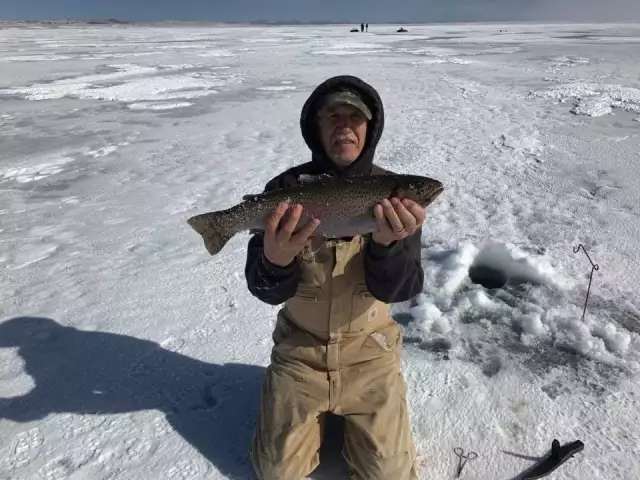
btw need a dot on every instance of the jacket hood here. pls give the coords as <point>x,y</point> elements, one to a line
<point>309,127</point>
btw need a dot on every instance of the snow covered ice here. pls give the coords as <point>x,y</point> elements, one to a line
<point>126,352</point>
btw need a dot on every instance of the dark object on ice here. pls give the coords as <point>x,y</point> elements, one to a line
<point>593,267</point>
<point>354,30</point>
<point>401,30</point>
<point>362,27</point>
<point>558,456</point>
<point>487,277</point>
<point>109,21</point>
<point>462,459</point>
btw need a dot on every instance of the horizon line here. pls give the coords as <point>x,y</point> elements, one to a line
<point>310,22</point>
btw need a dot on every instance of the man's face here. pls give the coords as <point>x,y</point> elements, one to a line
<point>343,131</point>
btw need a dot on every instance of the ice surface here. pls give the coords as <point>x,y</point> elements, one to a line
<point>452,60</point>
<point>595,100</point>
<point>161,88</point>
<point>126,352</point>
<point>35,172</point>
<point>276,88</point>
<point>130,87</point>
<point>345,51</point>
<point>216,53</point>
<point>158,106</point>
<point>594,107</point>
<point>34,58</point>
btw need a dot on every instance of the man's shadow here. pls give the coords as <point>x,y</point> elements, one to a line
<point>213,407</point>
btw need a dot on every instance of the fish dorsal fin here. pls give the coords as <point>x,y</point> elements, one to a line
<point>308,178</point>
<point>376,170</point>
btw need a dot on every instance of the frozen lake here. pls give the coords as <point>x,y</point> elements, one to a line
<point>126,352</point>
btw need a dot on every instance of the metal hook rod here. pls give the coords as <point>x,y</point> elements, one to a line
<point>594,267</point>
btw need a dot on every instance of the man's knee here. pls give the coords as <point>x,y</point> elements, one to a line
<point>294,466</point>
<point>380,446</point>
<point>287,436</point>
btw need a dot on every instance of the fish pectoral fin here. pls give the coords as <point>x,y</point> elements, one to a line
<point>253,231</point>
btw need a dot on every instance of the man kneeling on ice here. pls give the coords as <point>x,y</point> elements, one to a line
<point>336,347</point>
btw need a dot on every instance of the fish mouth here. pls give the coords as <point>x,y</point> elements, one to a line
<point>431,195</point>
<point>435,190</point>
<point>434,194</point>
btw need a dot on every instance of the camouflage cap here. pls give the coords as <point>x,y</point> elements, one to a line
<point>346,97</point>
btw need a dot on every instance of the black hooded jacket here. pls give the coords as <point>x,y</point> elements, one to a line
<point>392,274</point>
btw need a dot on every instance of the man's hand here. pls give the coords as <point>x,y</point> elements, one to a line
<point>397,220</point>
<point>280,244</point>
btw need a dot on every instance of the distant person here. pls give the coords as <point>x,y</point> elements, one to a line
<point>367,27</point>
<point>362,27</point>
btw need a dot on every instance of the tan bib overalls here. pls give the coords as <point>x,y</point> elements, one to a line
<point>336,349</point>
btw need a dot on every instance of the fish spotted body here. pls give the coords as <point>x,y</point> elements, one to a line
<point>344,206</point>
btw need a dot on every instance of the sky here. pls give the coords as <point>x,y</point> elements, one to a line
<point>372,11</point>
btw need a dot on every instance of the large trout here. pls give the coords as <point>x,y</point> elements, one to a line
<point>343,205</point>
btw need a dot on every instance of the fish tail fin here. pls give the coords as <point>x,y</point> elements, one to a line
<point>211,227</point>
